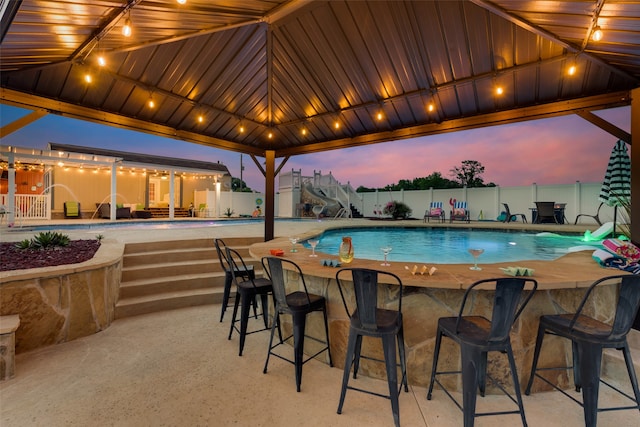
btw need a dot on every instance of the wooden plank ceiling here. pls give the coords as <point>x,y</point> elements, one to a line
<point>305,76</point>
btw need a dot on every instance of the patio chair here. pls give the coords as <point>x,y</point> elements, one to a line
<point>435,211</point>
<point>589,337</point>
<point>477,336</point>
<point>596,217</point>
<point>546,212</point>
<point>72,210</point>
<point>459,212</point>
<point>511,216</point>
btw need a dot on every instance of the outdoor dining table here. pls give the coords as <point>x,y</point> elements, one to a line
<point>558,211</point>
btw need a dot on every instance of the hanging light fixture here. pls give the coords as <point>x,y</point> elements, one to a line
<point>126,28</point>
<point>597,34</point>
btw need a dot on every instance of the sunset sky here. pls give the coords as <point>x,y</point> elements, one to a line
<point>551,151</point>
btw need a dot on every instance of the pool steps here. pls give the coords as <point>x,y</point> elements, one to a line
<point>159,276</point>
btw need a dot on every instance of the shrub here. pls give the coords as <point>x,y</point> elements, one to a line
<point>45,240</point>
<point>397,210</point>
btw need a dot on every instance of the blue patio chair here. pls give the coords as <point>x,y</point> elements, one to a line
<point>460,212</point>
<point>436,210</point>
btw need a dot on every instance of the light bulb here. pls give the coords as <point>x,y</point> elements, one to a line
<point>126,29</point>
<point>572,70</point>
<point>152,103</point>
<point>182,1</point>
<point>597,34</point>
<point>88,78</point>
<point>431,107</point>
<point>499,90</point>
<point>102,61</point>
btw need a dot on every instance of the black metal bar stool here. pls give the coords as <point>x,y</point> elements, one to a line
<point>367,319</point>
<point>221,248</point>
<point>246,293</point>
<point>588,338</point>
<point>476,336</point>
<point>298,304</point>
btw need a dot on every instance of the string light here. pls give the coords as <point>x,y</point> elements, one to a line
<point>597,34</point>
<point>126,28</point>
<point>430,107</point>
<point>499,90</point>
<point>572,70</point>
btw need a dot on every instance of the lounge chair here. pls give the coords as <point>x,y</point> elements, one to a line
<point>435,211</point>
<point>72,210</point>
<point>546,211</point>
<point>511,216</point>
<point>459,212</point>
<point>596,216</point>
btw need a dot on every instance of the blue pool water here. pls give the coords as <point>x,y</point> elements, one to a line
<point>151,225</point>
<point>449,245</point>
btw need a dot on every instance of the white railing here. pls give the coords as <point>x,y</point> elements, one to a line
<point>29,206</point>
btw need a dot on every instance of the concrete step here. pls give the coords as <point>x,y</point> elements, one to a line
<point>167,256</point>
<point>153,286</point>
<point>173,274</point>
<point>170,269</point>
<point>168,301</point>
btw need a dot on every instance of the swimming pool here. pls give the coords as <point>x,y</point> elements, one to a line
<point>137,224</point>
<point>450,245</point>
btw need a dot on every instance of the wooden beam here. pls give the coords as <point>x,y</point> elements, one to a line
<point>22,122</point>
<point>605,125</point>
<point>535,112</point>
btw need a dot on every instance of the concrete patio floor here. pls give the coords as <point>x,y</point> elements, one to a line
<point>177,368</point>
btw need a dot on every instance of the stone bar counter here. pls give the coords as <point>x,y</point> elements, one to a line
<point>561,286</point>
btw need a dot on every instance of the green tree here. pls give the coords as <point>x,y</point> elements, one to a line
<point>238,185</point>
<point>469,173</point>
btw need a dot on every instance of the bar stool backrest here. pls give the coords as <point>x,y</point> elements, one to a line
<point>221,248</point>
<point>506,307</point>
<point>365,287</point>
<point>274,268</point>
<point>626,307</point>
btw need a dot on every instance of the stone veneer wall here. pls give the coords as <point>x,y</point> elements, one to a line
<point>422,307</point>
<point>59,304</point>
